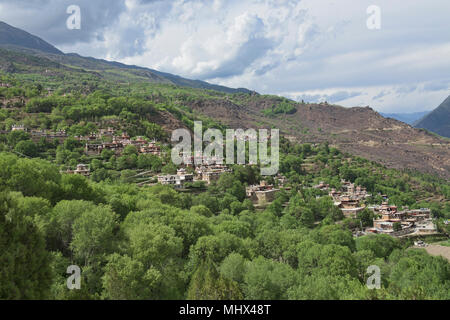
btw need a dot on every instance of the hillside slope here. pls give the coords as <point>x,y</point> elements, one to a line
<point>12,37</point>
<point>438,120</point>
<point>360,131</point>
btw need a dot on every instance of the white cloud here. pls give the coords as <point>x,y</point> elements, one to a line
<point>309,48</point>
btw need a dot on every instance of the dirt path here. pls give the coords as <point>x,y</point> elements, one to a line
<point>437,250</point>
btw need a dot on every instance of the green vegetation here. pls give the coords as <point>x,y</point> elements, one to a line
<point>285,106</point>
<point>155,243</point>
<point>152,242</point>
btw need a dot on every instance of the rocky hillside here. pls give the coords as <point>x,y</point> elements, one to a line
<point>360,131</point>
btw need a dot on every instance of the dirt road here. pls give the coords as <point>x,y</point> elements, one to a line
<point>437,250</point>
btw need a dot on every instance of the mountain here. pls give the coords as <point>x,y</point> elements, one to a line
<point>359,131</point>
<point>438,120</point>
<point>14,37</point>
<point>409,118</point>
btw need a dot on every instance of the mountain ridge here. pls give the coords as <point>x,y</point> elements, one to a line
<point>13,38</point>
<point>438,120</point>
<point>360,131</point>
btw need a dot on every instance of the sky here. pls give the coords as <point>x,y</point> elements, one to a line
<point>311,50</point>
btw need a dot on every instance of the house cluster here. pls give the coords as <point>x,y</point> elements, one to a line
<point>18,127</point>
<point>82,169</point>
<point>36,135</point>
<point>191,159</point>
<point>262,193</point>
<point>322,186</point>
<point>60,135</point>
<point>395,222</point>
<point>205,172</point>
<point>210,172</point>
<point>93,145</point>
<point>177,180</point>
<point>350,199</point>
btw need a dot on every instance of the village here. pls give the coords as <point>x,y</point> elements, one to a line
<point>388,219</point>
<point>351,199</point>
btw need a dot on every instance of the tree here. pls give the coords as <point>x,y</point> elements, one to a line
<point>158,248</point>
<point>334,234</point>
<point>60,223</point>
<point>71,144</point>
<point>307,217</point>
<point>225,181</point>
<point>24,262</point>
<point>127,162</point>
<point>417,275</point>
<point>77,187</point>
<point>397,226</point>
<point>17,135</point>
<point>107,154</point>
<point>233,267</point>
<point>208,284</point>
<point>94,235</point>
<point>169,168</point>
<point>26,147</point>
<point>267,280</point>
<point>127,279</point>
<point>32,177</point>
<point>366,217</point>
<point>190,226</point>
<point>154,244</point>
<point>328,287</point>
<point>381,245</point>
<point>130,150</point>
<point>325,259</point>
<point>201,210</point>
<point>208,200</point>
<point>215,248</point>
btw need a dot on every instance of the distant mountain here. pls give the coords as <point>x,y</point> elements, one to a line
<point>409,118</point>
<point>12,38</point>
<point>438,120</point>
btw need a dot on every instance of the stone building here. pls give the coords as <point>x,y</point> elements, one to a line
<point>262,193</point>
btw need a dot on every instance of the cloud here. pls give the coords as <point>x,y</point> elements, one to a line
<point>437,85</point>
<point>315,50</point>
<point>331,97</point>
<point>47,18</point>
